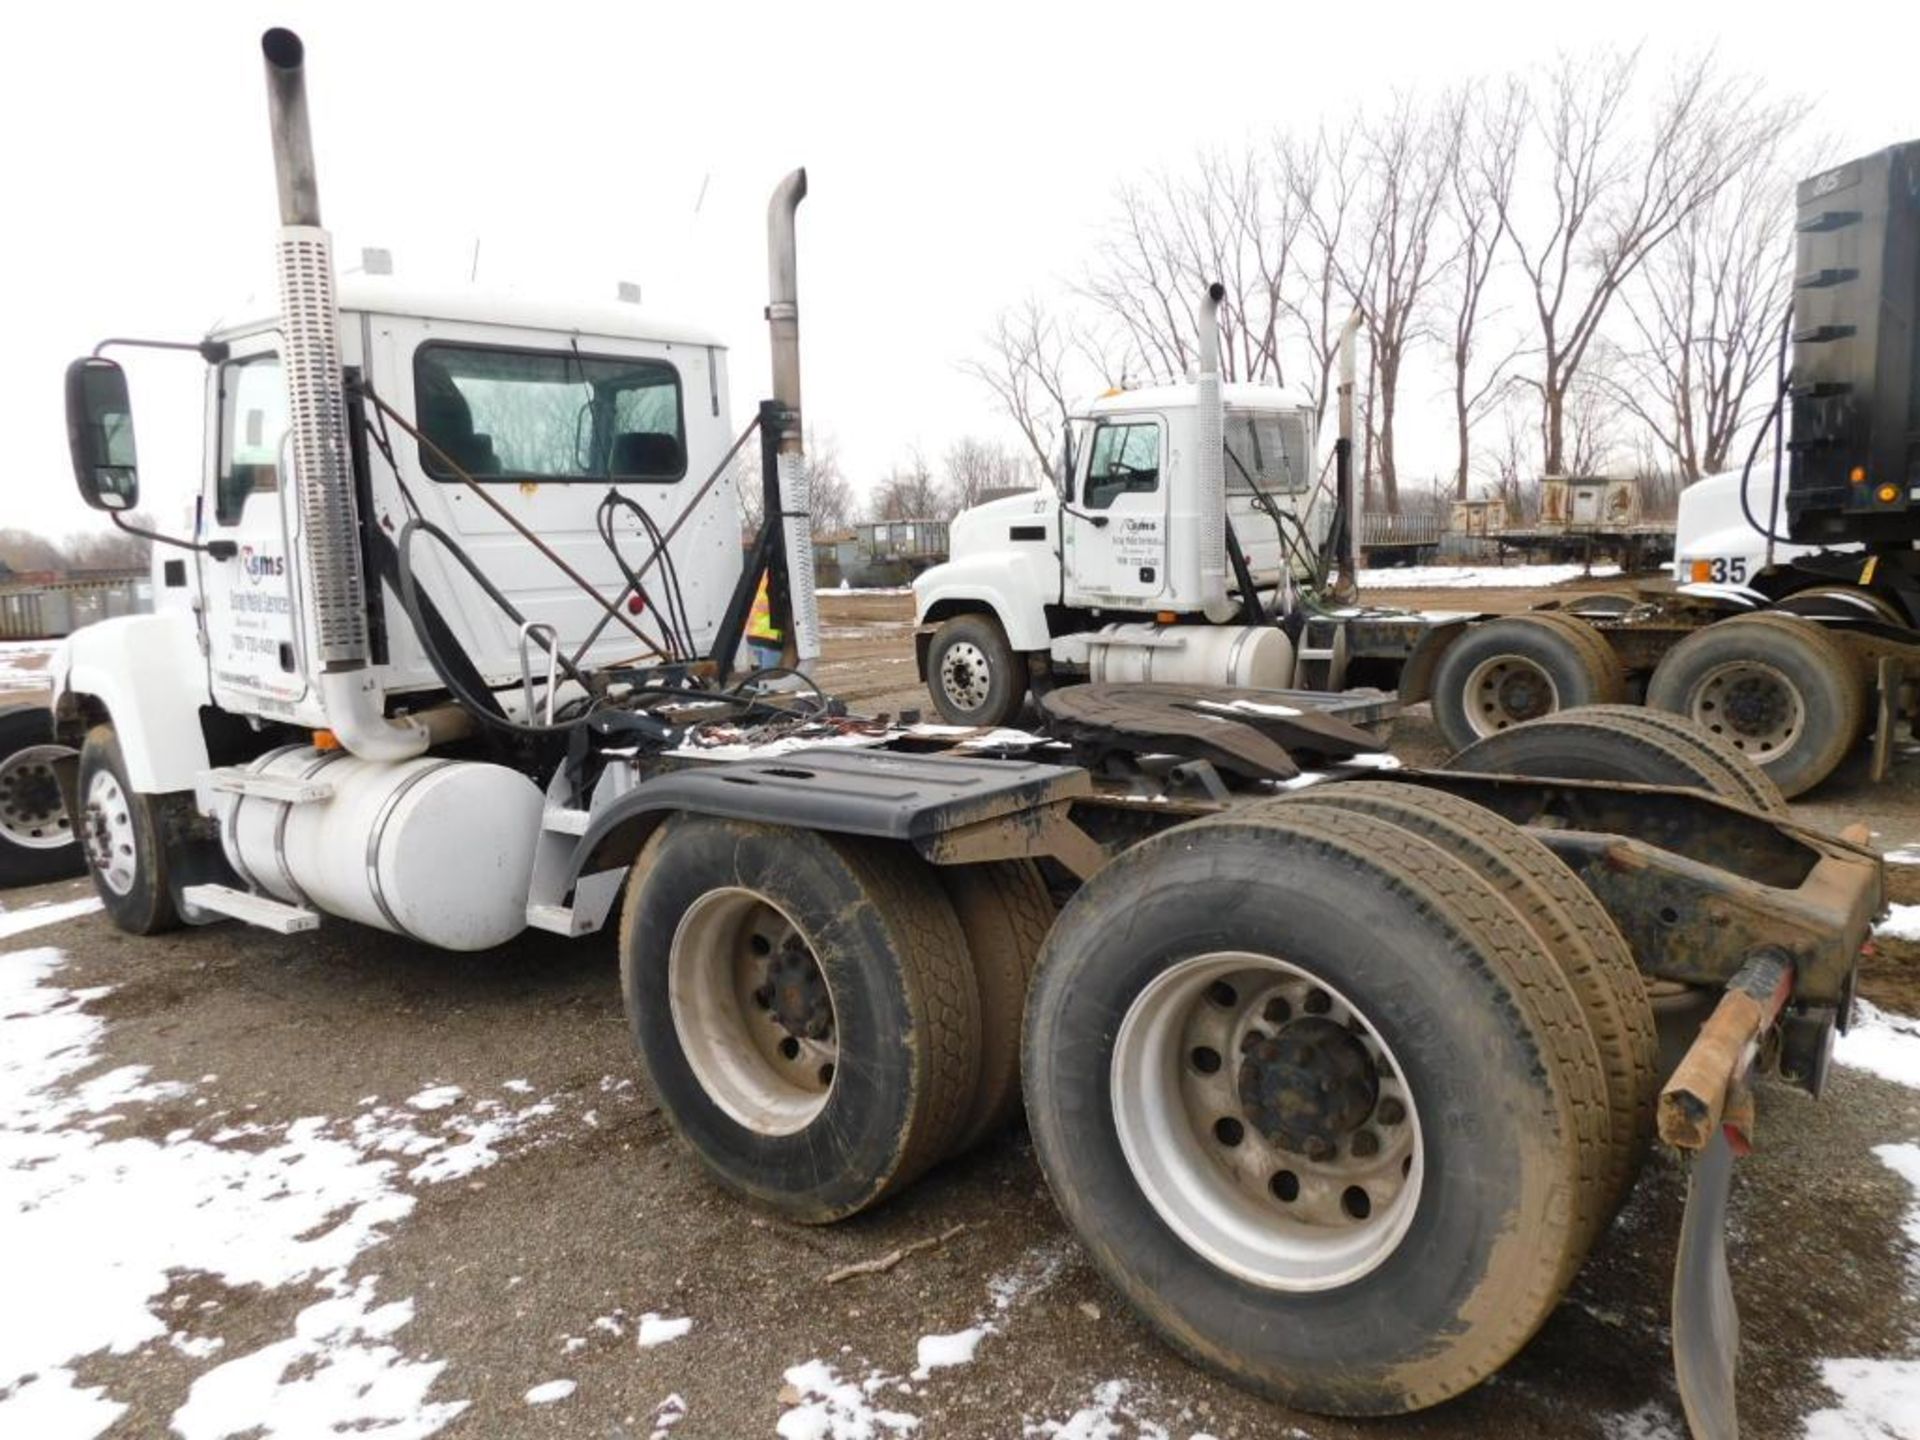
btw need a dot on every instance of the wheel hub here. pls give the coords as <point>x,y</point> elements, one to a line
<point>965,674</point>
<point>1309,1086</point>
<point>1507,690</point>
<point>32,814</point>
<point>796,992</point>
<point>1521,695</point>
<point>1754,707</point>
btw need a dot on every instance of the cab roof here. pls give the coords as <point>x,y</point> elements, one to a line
<point>1178,397</point>
<point>389,295</point>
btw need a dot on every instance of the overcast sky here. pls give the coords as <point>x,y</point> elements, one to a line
<point>960,157</point>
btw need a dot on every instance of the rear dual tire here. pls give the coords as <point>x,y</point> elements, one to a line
<point>1449,1004</point>
<point>1506,672</point>
<point>1779,689</point>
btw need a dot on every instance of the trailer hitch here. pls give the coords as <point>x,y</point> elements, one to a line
<point>1706,1107</point>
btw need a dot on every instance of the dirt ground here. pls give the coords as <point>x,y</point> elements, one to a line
<point>539,1266</point>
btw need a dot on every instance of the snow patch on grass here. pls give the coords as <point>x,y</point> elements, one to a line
<point>1108,1414</point>
<point>550,1391</point>
<point>1902,923</point>
<point>436,1097</point>
<point>1478,577</point>
<point>337,1372</point>
<point>939,1352</point>
<point>1879,1399</point>
<point>828,1407</point>
<point>32,917</point>
<point>1882,1042</point>
<point>658,1330</point>
<point>270,1206</point>
<point>1650,1422</point>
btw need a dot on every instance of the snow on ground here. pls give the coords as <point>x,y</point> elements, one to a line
<point>1107,1415</point>
<point>1905,855</point>
<point>823,1403</point>
<point>1650,1421</point>
<point>1479,577</point>
<point>1902,923</point>
<point>278,1206</point>
<point>1880,1041</point>
<point>31,917</point>
<point>550,1391</point>
<point>23,664</point>
<point>658,1330</point>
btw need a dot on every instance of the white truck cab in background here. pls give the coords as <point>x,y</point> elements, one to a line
<point>1104,576</point>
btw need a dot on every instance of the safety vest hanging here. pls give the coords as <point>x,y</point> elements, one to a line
<point>760,624</point>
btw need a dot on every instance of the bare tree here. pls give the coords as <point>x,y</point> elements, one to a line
<point>1224,220</point>
<point>1614,191</point>
<point>910,493</point>
<point>1029,361</point>
<point>1704,314</point>
<point>108,549</point>
<point>1479,190</point>
<point>830,494</point>
<point>1408,158</point>
<point>976,468</point>
<point>1322,176</point>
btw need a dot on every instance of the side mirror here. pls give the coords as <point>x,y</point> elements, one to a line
<point>100,434</point>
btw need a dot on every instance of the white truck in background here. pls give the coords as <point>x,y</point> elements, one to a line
<point>1791,640</point>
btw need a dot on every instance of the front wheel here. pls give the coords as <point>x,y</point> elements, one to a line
<point>972,672</point>
<point>121,833</point>
<point>36,835</point>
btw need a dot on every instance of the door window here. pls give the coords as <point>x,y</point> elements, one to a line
<point>253,419</point>
<point>1125,461</point>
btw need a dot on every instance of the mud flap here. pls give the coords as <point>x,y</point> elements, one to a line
<point>1706,1324</point>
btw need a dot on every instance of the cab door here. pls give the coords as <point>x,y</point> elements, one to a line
<point>253,652</point>
<point>1117,543</point>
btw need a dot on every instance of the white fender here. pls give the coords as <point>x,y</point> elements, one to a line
<point>1016,587</point>
<point>148,672</point>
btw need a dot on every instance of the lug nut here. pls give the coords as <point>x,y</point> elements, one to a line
<point>1318,1149</point>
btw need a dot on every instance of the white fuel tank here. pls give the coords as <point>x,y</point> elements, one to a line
<point>1252,657</point>
<point>439,850</point>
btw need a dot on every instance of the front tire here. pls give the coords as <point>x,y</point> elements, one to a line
<point>972,672</point>
<point>804,1009</point>
<point>120,829</point>
<point>37,843</point>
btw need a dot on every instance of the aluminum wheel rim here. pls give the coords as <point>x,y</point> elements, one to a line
<point>1228,1201</point>
<point>1508,690</point>
<point>32,814</point>
<point>1751,705</point>
<point>107,825</point>
<point>721,970</point>
<point>965,675</point>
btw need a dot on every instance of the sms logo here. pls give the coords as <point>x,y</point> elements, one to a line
<point>261,567</point>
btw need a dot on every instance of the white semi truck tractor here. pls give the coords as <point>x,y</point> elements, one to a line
<point>1338,1087</point>
<point>1793,637</point>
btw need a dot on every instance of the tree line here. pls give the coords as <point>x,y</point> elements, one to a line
<point>969,471</point>
<point>1595,256</point>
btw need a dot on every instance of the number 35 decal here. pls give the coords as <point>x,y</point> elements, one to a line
<point>1721,570</point>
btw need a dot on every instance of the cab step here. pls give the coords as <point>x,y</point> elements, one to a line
<point>233,780</point>
<point>259,910</point>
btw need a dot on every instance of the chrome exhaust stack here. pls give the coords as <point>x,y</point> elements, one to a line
<point>1210,439</point>
<point>783,325</point>
<point>317,433</point>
